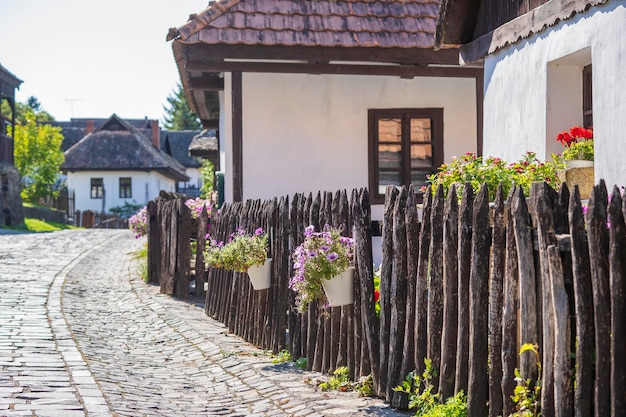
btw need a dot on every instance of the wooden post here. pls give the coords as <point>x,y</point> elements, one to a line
<point>154,243</point>
<point>464,261</point>
<point>496,278</point>
<point>478,378</point>
<point>450,295</point>
<point>583,294</point>
<point>397,291</point>
<point>617,269</point>
<point>598,236</point>
<point>421,286</point>
<point>385,288</point>
<point>509,314</point>
<point>183,247</point>
<point>526,285</point>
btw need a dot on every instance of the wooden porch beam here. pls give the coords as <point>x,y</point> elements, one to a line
<point>237,132</point>
<point>404,71</point>
<point>207,83</point>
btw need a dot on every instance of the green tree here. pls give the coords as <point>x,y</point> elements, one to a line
<point>178,115</point>
<point>38,156</point>
<point>207,172</point>
<point>21,109</point>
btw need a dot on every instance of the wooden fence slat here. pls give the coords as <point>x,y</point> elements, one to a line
<point>397,291</point>
<point>412,248</point>
<point>385,287</point>
<point>435,284</point>
<point>560,325</point>
<point>361,214</point>
<point>527,284</point>
<point>617,268</point>
<point>421,286</point>
<point>478,378</point>
<point>200,272</point>
<point>542,198</point>
<point>183,257</point>
<point>464,263</point>
<point>584,308</point>
<point>509,314</point>
<point>496,278</point>
<point>154,242</point>
<point>598,236</point>
<point>450,295</point>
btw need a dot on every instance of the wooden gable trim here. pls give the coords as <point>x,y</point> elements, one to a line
<point>535,21</point>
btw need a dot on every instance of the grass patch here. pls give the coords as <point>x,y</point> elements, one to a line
<point>142,256</point>
<point>37,226</point>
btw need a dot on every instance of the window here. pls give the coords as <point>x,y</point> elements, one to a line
<point>587,97</point>
<point>405,146</point>
<point>126,188</point>
<point>97,188</point>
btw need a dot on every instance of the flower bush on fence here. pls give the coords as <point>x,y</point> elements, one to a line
<point>478,170</point>
<point>138,223</point>
<point>197,204</point>
<point>322,255</point>
<point>578,144</point>
<point>240,252</point>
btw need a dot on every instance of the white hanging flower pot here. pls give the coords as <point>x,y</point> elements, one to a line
<point>261,275</point>
<point>340,288</point>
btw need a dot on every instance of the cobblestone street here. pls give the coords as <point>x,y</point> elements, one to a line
<point>82,335</point>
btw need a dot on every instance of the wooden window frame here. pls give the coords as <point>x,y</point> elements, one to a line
<point>436,117</point>
<point>126,190</point>
<point>587,96</point>
<point>97,185</point>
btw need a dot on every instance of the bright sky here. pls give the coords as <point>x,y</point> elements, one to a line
<point>86,58</point>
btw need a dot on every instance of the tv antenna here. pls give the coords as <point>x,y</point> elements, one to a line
<point>72,101</point>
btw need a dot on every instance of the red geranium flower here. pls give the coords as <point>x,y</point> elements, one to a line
<point>376,295</point>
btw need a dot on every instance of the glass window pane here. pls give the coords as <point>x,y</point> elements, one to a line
<point>386,178</point>
<point>389,130</point>
<point>389,156</point>
<point>419,177</point>
<point>420,130</point>
<point>421,155</point>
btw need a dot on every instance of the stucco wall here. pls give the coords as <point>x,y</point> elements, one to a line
<point>304,133</point>
<point>145,187</point>
<point>532,89</point>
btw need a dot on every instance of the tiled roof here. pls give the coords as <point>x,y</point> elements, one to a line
<point>326,23</point>
<point>176,143</point>
<point>116,145</point>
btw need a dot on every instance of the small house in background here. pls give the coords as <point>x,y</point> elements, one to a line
<point>11,210</point>
<point>118,163</point>
<point>176,144</point>
<point>323,94</point>
<point>549,65</point>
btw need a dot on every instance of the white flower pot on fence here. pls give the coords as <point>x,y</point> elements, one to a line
<point>340,288</point>
<point>261,275</point>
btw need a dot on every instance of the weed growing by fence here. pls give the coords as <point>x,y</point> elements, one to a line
<point>527,395</point>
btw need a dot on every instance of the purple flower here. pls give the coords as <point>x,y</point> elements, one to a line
<point>324,248</point>
<point>258,231</point>
<point>332,256</point>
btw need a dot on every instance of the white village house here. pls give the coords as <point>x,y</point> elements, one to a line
<point>547,68</point>
<point>326,95</point>
<point>117,163</point>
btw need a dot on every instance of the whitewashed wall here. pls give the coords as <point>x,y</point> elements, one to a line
<point>304,133</point>
<point>195,178</point>
<point>145,187</point>
<point>533,90</point>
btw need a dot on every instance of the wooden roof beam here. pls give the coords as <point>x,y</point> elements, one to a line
<point>207,83</point>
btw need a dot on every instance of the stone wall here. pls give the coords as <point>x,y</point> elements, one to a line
<point>56,216</point>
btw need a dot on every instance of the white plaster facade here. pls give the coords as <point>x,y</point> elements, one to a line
<point>304,133</point>
<point>533,90</point>
<point>145,186</point>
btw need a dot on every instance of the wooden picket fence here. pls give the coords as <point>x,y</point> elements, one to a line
<point>465,284</point>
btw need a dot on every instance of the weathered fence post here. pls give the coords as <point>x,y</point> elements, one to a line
<point>421,286</point>
<point>496,278</point>
<point>154,243</point>
<point>598,236</point>
<point>478,378</point>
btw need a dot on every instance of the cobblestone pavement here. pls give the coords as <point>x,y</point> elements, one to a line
<point>81,335</point>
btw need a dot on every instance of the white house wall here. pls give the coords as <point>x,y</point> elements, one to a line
<point>533,90</point>
<point>304,133</point>
<point>145,187</point>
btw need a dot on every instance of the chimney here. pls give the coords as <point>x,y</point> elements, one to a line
<point>156,134</point>
<point>89,127</point>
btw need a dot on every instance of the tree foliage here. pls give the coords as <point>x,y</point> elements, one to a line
<point>38,155</point>
<point>178,115</point>
<point>207,171</point>
<point>32,105</point>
